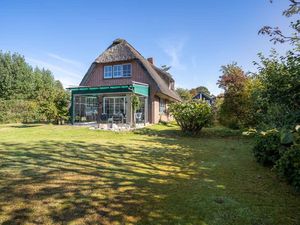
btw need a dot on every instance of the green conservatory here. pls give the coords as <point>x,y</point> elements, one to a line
<point>108,103</point>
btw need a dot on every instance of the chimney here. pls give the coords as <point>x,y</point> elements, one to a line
<point>150,60</point>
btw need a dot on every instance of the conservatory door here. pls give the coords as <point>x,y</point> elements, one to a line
<point>114,106</point>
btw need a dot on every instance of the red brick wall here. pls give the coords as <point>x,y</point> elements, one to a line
<point>161,116</point>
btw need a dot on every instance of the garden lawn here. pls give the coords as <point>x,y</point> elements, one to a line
<point>63,174</point>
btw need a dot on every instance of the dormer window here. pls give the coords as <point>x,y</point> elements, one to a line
<point>117,71</point>
<point>171,85</point>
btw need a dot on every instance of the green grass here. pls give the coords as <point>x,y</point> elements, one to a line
<point>63,174</point>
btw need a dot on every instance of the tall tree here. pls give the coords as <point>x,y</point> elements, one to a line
<point>233,110</point>
<point>36,90</point>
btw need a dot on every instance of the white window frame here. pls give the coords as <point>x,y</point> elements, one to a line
<point>105,73</point>
<point>114,97</point>
<point>113,71</point>
<point>118,71</point>
<point>161,100</point>
<point>126,64</point>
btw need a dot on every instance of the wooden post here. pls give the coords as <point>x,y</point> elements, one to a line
<point>73,109</point>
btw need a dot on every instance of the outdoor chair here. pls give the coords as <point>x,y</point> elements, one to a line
<point>138,117</point>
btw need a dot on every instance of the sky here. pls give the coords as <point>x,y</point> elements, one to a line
<point>194,37</point>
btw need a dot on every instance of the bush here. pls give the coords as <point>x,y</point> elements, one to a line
<point>191,116</point>
<point>288,166</point>
<point>14,111</point>
<point>268,147</point>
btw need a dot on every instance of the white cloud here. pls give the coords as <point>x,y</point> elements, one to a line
<point>65,60</point>
<point>173,48</point>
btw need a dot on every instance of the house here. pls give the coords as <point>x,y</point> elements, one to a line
<point>107,88</point>
<point>205,97</point>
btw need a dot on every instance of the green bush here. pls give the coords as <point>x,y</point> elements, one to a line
<point>191,116</point>
<point>288,166</point>
<point>14,111</point>
<point>268,147</point>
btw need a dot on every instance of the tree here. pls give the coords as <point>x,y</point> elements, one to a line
<point>277,35</point>
<point>277,100</point>
<point>234,109</point>
<point>203,89</point>
<point>184,94</point>
<point>15,77</point>
<point>34,90</point>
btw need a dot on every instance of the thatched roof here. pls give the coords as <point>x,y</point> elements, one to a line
<point>121,50</point>
<point>163,73</point>
<point>117,51</point>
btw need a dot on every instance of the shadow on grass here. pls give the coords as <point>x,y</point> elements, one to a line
<point>25,125</point>
<point>172,130</point>
<point>93,183</point>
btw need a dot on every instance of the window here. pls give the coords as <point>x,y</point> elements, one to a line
<point>91,107</point>
<point>91,102</point>
<point>171,85</point>
<point>114,105</point>
<point>127,70</point>
<point>162,106</point>
<point>107,71</point>
<point>117,71</point>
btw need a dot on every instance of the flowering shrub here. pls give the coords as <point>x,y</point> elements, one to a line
<point>191,116</point>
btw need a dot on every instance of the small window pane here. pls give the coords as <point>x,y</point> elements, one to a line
<point>162,106</point>
<point>107,71</point>
<point>127,70</point>
<point>118,71</point>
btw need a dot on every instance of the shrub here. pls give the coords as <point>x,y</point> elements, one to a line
<point>12,111</point>
<point>288,166</point>
<point>267,147</point>
<point>191,116</point>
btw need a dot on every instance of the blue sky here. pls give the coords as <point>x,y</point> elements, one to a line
<point>194,37</point>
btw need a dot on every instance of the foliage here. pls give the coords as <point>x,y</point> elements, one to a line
<point>267,147</point>
<point>191,116</point>
<point>136,104</point>
<point>15,77</point>
<point>14,111</point>
<point>276,103</point>
<point>280,150</point>
<point>29,95</point>
<point>184,94</point>
<point>277,35</point>
<point>195,91</point>
<point>288,166</point>
<point>233,112</point>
